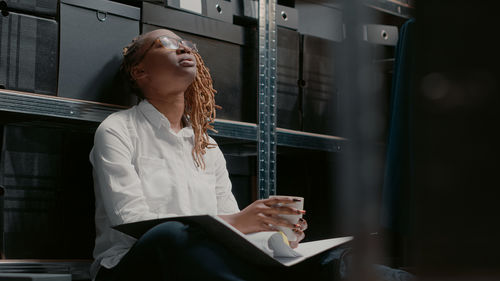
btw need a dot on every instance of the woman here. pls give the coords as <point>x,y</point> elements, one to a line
<point>156,160</point>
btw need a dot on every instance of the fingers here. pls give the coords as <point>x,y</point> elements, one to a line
<point>300,235</point>
<point>276,209</point>
<point>284,210</point>
<point>272,214</point>
<point>303,224</point>
<point>277,200</point>
<point>267,227</point>
<point>277,221</point>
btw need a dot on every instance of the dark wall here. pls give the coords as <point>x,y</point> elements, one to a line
<point>457,112</point>
<point>48,205</point>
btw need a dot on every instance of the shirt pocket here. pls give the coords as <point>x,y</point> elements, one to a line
<point>158,180</point>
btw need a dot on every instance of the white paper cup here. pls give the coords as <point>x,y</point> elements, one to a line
<point>290,235</point>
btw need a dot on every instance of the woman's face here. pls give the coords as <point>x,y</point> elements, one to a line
<point>164,70</point>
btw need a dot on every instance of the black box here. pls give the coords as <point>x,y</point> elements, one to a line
<point>222,10</point>
<point>229,51</point>
<point>320,92</point>
<point>324,20</point>
<point>287,17</point>
<point>28,53</point>
<point>289,105</point>
<point>247,11</point>
<point>93,34</point>
<point>36,7</point>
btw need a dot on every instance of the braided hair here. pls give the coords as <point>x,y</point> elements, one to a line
<point>199,98</point>
<point>132,57</point>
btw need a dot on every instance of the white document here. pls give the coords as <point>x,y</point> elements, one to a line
<point>266,248</point>
<point>309,249</point>
<point>272,243</point>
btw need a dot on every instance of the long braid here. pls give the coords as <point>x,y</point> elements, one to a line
<point>200,107</point>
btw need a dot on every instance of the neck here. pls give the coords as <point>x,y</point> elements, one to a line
<point>172,106</point>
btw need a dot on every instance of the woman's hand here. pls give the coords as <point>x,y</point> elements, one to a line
<point>299,232</point>
<point>261,215</point>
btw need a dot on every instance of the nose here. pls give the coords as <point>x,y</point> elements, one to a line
<point>183,49</point>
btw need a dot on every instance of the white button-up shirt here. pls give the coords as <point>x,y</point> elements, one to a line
<point>144,170</point>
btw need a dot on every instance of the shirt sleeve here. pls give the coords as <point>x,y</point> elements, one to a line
<point>226,203</point>
<point>115,178</point>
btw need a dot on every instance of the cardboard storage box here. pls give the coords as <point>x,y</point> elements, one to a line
<point>93,34</point>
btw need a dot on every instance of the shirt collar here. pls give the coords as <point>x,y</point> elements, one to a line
<point>157,119</point>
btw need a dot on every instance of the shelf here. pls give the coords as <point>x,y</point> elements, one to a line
<point>43,105</point>
<point>235,130</point>
<point>286,137</point>
<point>79,269</point>
<point>306,140</point>
<point>51,106</point>
<point>400,8</point>
<point>403,8</point>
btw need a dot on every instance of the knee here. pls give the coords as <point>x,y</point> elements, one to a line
<point>170,233</point>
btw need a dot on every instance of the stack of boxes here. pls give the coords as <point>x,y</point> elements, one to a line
<point>72,49</point>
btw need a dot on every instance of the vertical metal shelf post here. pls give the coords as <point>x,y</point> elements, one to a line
<point>267,99</point>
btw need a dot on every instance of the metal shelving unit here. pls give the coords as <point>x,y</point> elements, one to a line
<point>50,106</point>
<point>306,140</point>
<point>266,146</point>
<point>265,133</point>
<point>79,110</point>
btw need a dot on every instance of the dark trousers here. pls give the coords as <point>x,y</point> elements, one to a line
<point>176,251</point>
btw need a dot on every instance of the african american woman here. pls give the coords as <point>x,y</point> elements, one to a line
<point>156,160</point>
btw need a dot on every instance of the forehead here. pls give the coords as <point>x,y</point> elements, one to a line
<point>152,35</point>
<point>149,38</point>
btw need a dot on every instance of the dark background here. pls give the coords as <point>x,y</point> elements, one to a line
<point>457,152</point>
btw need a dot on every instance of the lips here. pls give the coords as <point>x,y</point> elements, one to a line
<point>187,62</point>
